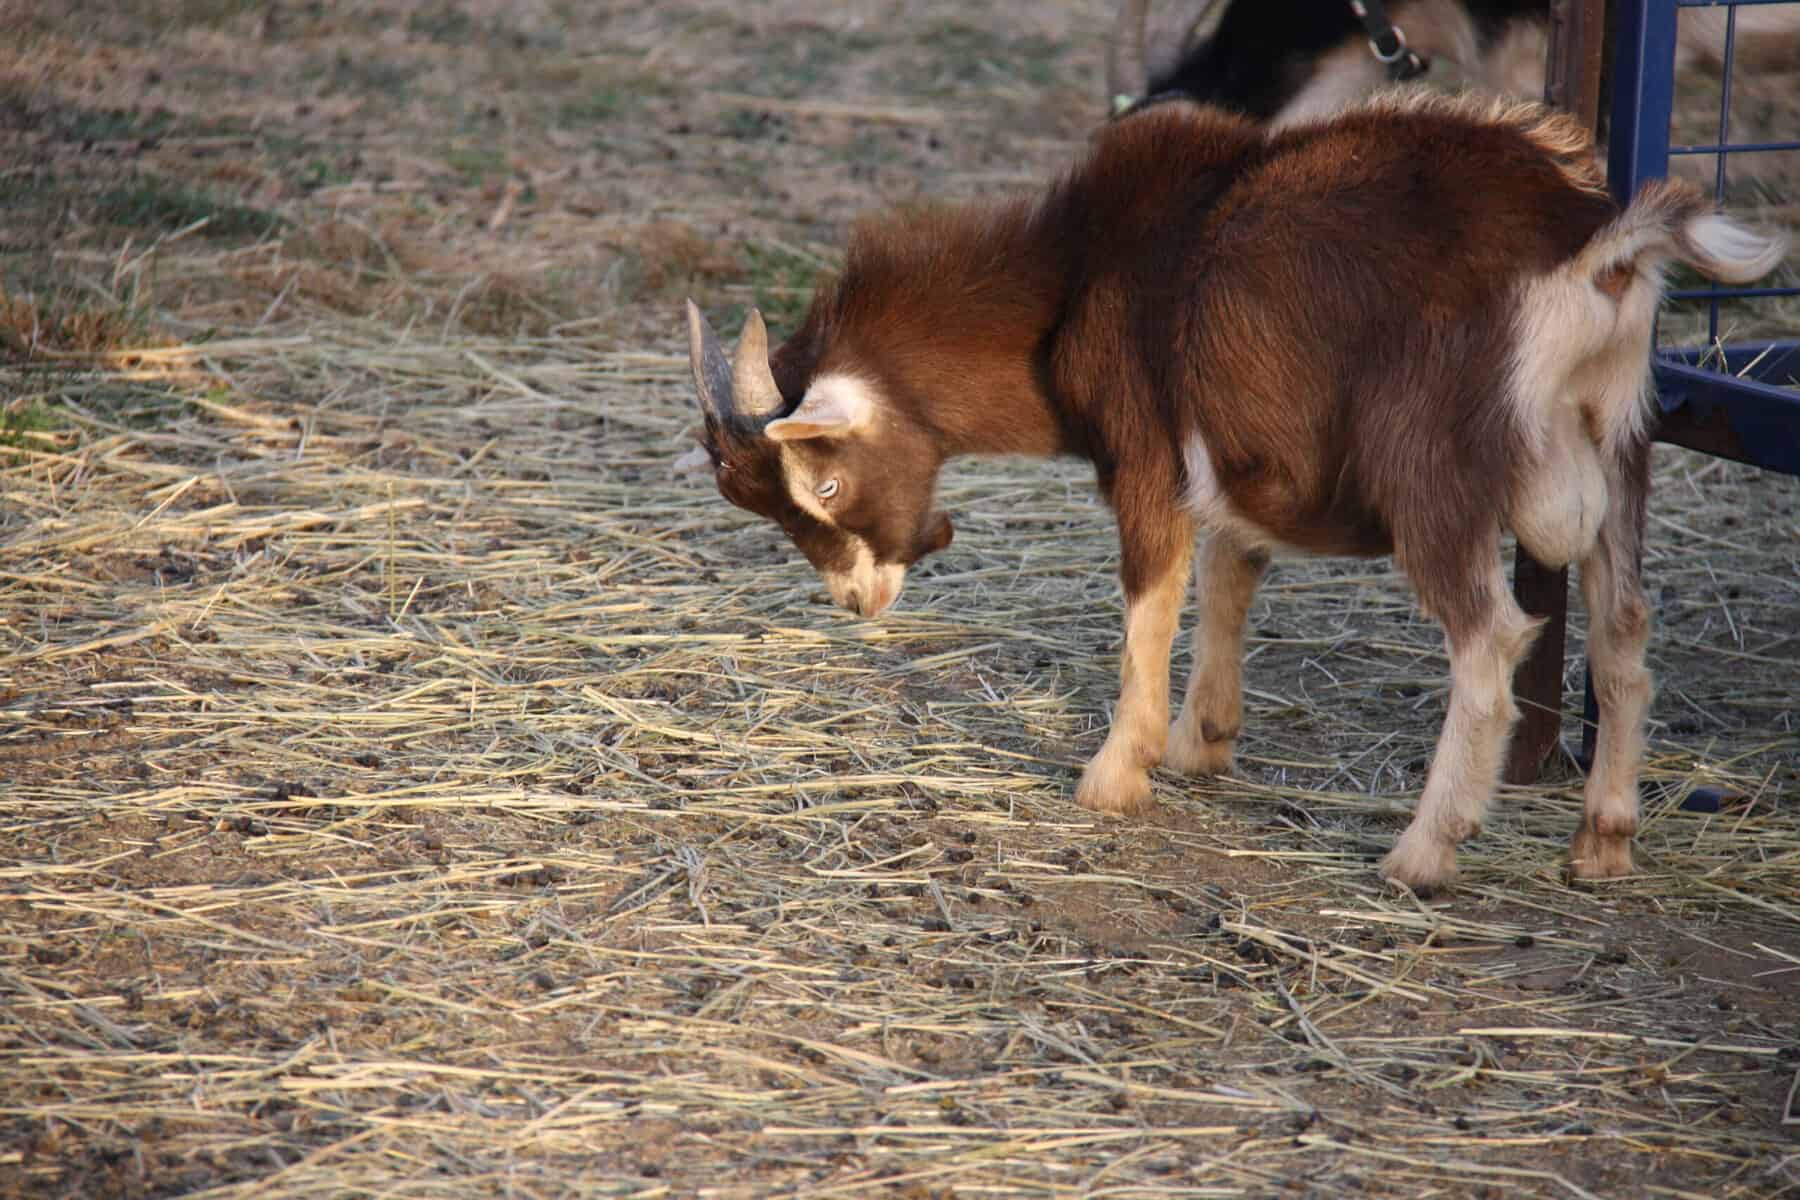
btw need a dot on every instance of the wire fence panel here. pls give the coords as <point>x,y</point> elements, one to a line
<point>1733,398</point>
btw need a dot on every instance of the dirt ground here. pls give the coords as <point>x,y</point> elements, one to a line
<point>410,787</point>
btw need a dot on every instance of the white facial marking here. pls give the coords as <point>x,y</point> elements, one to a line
<point>835,405</point>
<point>867,587</point>
<point>803,486</point>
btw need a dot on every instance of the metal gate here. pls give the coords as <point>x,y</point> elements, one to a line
<point>1738,400</point>
<point>1723,398</point>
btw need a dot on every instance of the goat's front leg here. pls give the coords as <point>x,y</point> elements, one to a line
<point>1117,780</point>
<point>1225,580</point>
<point>1488,633</point>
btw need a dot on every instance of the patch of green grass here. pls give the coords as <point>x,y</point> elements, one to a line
<point>475,164</point>
<point>872,148</point>
<point>317,172</point>
<point>778,293</point>
<point>108,124</point>
<point>36,421</point>
<point>749,124</point>
<point>549,39</point>
<point>45,309</point>
<point>28,422</point>
<point>147,202</point>
<point>308,164</point>
<point>212,12</point>
<point>345,73</point>
<point>133,404</point>
<point>957,54</point>
<point>47,315</point>
<point>593,107</point>
<point>33,191</point>
<point>448,24</point>
<point>149,18</point>
<point>801,63</point>
<point>782,282</point>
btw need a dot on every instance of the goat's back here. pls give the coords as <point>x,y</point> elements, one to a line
<point>1340,299</point>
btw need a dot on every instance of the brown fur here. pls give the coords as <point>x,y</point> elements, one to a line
<point>1315,339</point>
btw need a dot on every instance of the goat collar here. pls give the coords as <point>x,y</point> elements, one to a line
<point>1387,42</point>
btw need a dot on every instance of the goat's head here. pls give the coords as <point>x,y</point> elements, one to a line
<point>1137,59</point>
<point>850,479</point>
<point>1263,59</point>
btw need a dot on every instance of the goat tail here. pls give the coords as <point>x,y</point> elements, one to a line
<point>1671,219</point>
<point>1722,249</point>
<point>1587,326</point>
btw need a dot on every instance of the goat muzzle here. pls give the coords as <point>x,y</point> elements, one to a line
<point>867,590</point>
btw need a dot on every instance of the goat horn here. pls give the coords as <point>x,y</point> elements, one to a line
<point>753,388</point>
<point>1126,78</point>
<point>1165,52</point>
<point>712,372</point>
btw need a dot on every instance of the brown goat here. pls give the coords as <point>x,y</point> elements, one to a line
<point>1401,331</point>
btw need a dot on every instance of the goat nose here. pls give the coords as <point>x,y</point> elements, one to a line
<point>850,596</point>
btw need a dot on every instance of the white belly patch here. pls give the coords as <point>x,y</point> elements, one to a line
<point>1211,507</point>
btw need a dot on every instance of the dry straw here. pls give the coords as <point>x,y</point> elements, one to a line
<point>411,788</point>
<point>414,789</point>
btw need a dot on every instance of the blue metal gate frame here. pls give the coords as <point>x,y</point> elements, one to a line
<point>1725,399</point>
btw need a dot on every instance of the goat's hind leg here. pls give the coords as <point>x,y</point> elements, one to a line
<point>1225,581</point>
<point>1488,633</point>
<point>1618,630</point>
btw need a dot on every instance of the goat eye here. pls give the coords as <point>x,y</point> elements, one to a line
<point>826,490</point>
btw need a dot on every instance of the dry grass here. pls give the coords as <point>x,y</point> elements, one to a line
<point>412,789</point>
<point>418,791</point>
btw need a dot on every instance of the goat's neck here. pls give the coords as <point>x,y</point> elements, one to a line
<point>984,392</point>
<point>955,314</point>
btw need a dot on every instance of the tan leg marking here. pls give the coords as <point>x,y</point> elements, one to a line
<point>1117,779</point>
<point>1466,766</point>
<point>1201,739</point>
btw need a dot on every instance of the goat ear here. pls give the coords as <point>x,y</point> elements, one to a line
<point>712,371</point>
<point>753,387</point>
<point>834,406</point>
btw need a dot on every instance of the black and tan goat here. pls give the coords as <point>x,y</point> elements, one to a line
<point>1284,61</point>
<point>1403,331</point>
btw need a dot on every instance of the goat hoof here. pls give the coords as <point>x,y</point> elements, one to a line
<point>1597,856</point>
<point>1120,790</point>
<point>1422,863</point>
<point>1190,753</point>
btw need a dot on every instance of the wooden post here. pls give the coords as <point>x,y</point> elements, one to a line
<point>1577,50</point>
<point>1571,81</point>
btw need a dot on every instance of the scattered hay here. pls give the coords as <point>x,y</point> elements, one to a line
<point>411,788</point>
<point>416,789</point>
